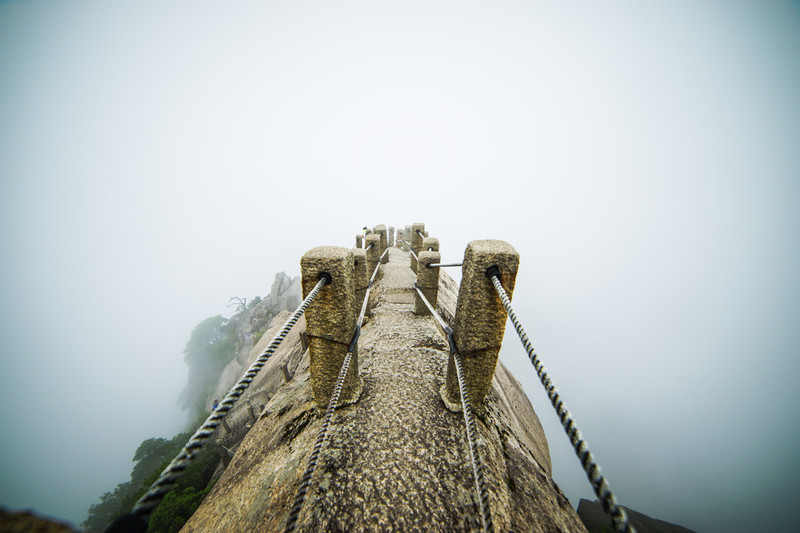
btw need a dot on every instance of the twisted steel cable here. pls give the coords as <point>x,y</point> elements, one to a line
<point>596,479</point>
<point>300,497</point>
<point>466,409</point>
<point>145,505</point>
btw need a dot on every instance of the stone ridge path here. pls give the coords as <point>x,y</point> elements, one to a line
<point>381,446</point>
<point>396,460</point>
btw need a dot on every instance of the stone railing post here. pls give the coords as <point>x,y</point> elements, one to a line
<point>361,276</point>
<point>358,241</point>
<point>399,241</point>
<point>373,252</point>
<point>407,246</point>
<point>331,322</point>
<point>427,281</point>
<point>382,233</point>
<point>430,244</point>
<point>416,242</point>
<point>480,319</point>
<point>391,236</point>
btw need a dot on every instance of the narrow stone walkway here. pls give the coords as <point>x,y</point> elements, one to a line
<point>396,460</point>
<point>381,447</point>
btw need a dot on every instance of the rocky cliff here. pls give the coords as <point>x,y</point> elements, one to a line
<point>398,458</point>
<point>284,295</point>
<point>596,520</point>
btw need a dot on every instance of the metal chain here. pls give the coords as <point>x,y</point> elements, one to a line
<point>412,253</point>
<point>466,408</point>
<point>145,505</point>
<point>596,479</point>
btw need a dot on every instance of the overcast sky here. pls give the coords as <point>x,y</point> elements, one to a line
<point>159,157</point>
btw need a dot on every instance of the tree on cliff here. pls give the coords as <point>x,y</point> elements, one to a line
<point>211,346</point>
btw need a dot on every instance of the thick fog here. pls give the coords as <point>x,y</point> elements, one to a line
<point>157,158</point>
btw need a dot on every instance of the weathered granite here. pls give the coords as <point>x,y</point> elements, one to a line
<point>360,272</point>
<point>427,281</point>
<point>417,234</point>
<point>430,243</point>
<point>331,321</point>
<point>397,459</point>
<point>373,251</point>
<point>27,521</point>
<point>480,317</point>
<point>382,232</point>
<point>597,521</point>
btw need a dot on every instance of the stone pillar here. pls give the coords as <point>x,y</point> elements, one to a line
<point>383,234</point>
<point>331,322</point>
<point>361,276</point>
<point>373,253</point>
<point>427,281</point>
<point>416,242</point>
<point>430,244</point>
<point>480,319</point>
<point>407,246</point>
<point>391,236</point>
<point>399,241</point>
<point>358,241</point>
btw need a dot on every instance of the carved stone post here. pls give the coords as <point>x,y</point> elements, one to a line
<point>427,281</point>
<point>358,240</point>
<point>361,276</point>
<point>480,319</point>
<point>400,238</point>
<point>416,242</point>
<point>382,233</point>
<point>391,236</point>
<point>407,246</point>
<point>331,322</point>
<point>430,244</point>
<point>373,253</point>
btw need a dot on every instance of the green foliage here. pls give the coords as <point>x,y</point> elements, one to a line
<point>109,508</point>
<point>151,458</point>
<point>177,507</point>
<point>211,346</point>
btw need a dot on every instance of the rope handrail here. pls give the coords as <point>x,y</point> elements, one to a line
<point>596,479</point>
<point>145,505</point>
<point>466,408</point>
<point>302,491</point>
